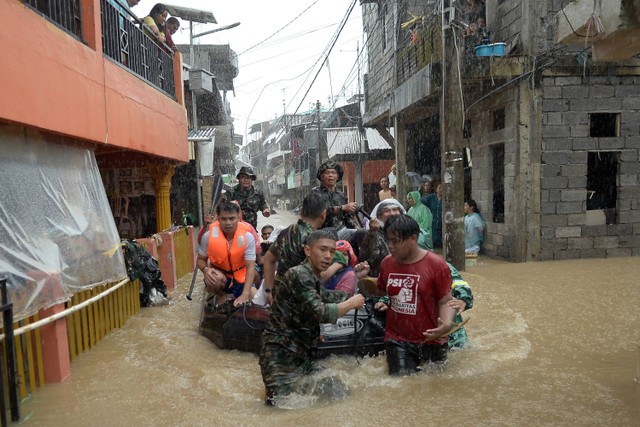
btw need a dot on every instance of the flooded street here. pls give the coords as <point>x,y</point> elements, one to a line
<point>554,343</point>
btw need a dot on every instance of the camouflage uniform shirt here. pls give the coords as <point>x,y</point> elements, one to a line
<point>288,248</point>
<point>251,201</point>
<point>461,290</point>
<point>335,199</point>
<point>373,249</point>
<point>300,304</point>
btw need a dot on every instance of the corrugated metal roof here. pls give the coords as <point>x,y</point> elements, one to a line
<point>202,134</point>
<point>189,14</point>
<point>352,141</point>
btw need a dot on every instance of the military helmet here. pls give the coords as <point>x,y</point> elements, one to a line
<point>330,164</point>
<point>247,171</point>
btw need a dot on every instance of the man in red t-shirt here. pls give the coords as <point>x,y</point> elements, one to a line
<point>418,286</point>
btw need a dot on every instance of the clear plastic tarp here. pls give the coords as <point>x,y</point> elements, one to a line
<point>57,233</point>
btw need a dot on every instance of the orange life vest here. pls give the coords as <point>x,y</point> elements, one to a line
<point>228,256</point>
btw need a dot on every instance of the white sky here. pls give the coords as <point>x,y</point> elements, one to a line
<point>278,69</point>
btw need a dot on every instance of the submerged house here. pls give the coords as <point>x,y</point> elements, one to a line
<point>551,136</point>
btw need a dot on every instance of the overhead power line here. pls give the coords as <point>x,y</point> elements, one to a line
<point>281,28</point>
<point>332,44</point>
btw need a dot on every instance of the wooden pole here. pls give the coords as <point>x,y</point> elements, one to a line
<point>451,123</point>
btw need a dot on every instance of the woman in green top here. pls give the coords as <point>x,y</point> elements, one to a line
<point>423,217</point>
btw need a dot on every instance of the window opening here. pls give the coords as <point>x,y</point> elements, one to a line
<point>603,125</point>
<point>602,190</point>
<point>384,27</point>
<point>498,119</point>
<point>498,183</point>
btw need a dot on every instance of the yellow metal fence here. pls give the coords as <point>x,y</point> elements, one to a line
<point>85,328</point>
<point>182,249</point>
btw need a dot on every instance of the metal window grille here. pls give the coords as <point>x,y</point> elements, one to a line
<point>65,13</point>
<point>125,41</point>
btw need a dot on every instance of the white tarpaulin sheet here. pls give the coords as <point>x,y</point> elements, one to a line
<point>57,234</point>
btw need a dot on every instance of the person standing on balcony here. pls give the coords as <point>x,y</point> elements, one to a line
<point>172,26</point>
<point>124,6</point>
<point>154,22</point>
<point>251,200</point>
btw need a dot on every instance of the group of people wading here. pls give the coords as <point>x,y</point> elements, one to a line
<point>304,269</point>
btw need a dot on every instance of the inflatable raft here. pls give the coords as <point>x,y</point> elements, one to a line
<point>359,332</point>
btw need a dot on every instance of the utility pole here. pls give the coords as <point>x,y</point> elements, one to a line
<point>323,151</point>
<point>194,118</point>
<point>451,124</point>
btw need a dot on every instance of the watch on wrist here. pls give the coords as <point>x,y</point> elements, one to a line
<point>268,291</point>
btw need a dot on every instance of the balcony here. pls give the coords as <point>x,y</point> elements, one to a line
<point>74,68</point>
<point>419,48</point>
<point>124,41</point>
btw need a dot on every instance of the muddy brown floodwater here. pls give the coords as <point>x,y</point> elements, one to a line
<point>554,343</point>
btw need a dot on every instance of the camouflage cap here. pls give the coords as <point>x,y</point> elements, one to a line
<point>247,171</point>
<point>330,164</point>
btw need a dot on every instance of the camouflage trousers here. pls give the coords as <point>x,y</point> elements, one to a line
<point>288,370</point>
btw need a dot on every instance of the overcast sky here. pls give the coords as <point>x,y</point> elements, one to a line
<point>281,68</point>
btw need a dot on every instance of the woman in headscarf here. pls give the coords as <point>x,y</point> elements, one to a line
<point>423,217</point>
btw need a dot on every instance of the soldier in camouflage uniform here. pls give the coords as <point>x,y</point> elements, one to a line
<point>373,248</point>
<point>251,200</point>
<point>340,212</point>
<point>300,304</point>
<point>462,301</point>
<point>288,249</point>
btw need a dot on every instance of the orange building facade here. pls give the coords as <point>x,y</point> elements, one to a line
<point>82,73</point>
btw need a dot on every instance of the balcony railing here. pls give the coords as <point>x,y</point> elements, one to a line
<point>124,41</point>
<point>419,48</point>
<point>65,13</point>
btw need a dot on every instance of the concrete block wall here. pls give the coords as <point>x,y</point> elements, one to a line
<point>499,237</point>
<point>567,103</point>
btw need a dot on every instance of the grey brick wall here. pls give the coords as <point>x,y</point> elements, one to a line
<point>567,103</point>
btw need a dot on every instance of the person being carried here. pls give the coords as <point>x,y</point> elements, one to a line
<point>251,200</point>
<point>230,248</point>
<point>340,212</point>
<point>265,232</point>
<point>418,285</point>
<point>343,277</point>
<point>300,304</point>
<point>288,249</point>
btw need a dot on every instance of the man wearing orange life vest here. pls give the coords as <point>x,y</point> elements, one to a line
<point>227,255</point>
